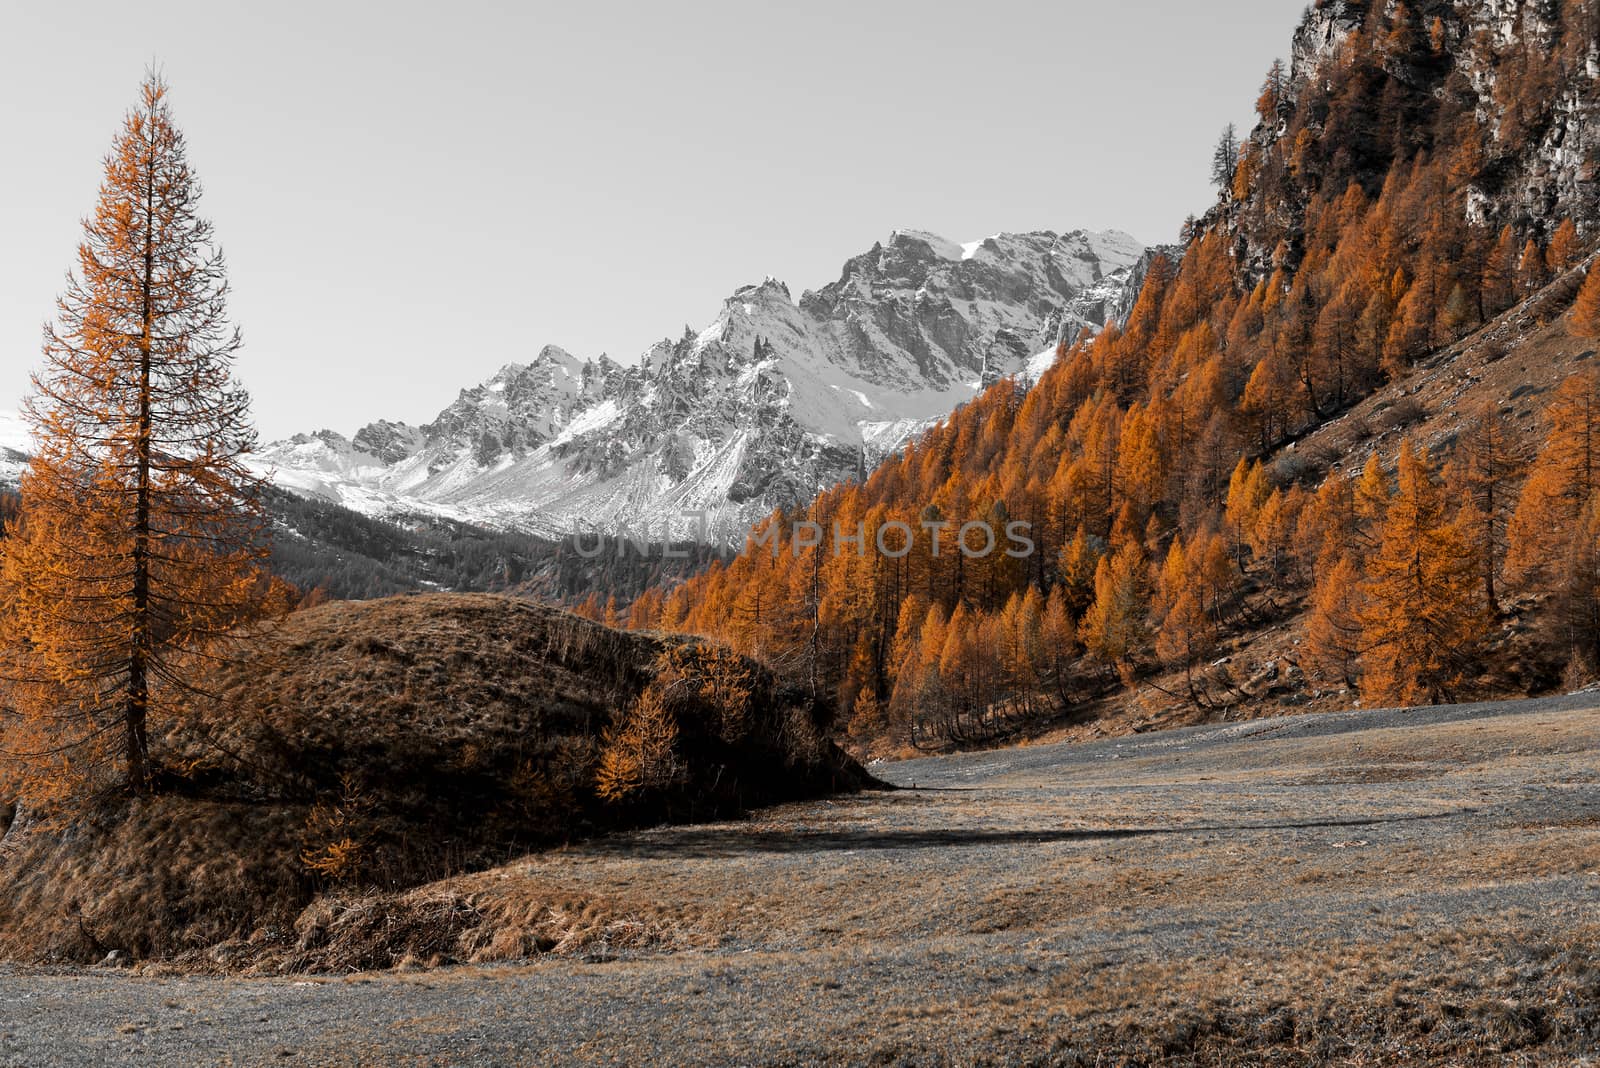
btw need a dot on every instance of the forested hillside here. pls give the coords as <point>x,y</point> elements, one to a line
<point>1417,172</point>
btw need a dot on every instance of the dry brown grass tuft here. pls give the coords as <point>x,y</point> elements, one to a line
<point>451,924</point>
<point>1466,997</point>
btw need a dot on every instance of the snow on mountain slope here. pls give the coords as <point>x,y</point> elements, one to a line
<point>16,442</point>
<point>772,401</point>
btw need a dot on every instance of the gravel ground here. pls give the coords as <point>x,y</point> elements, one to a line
<point>1179,894</point>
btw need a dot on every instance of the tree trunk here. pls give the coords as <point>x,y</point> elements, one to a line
<point>138,669</point>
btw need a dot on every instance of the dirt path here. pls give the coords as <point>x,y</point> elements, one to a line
<point>1364,887</point>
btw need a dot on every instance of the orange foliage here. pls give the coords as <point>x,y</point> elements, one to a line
<point>1585,321</point>
<point>1421,617</point>
<point>142,535</point>
<point>1562,253</point>
<point>1333,630</point>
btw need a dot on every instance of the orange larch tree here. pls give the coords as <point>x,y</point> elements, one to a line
<point>1186,632</point>
<point>1531,268</point>
<point>1492,460</point>
<point>1563,251</point>
<point>1422,617</point>
<point>1116,628</point>
<point>1538,532</point>
<point>1585,321</point>
<point>142,535</point>
<point>1333,628</point>
<point>1248,490</point>
<point>1551,504</point>
<point>1326,524</point>
<point>1371,498</point>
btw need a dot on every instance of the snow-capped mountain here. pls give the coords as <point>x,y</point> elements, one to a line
<point>773,400</point>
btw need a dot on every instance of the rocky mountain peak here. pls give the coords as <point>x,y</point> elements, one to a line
<point>770,401</point>
<point>920,245</point>
<point>519,407</point>
<point>390,442</point>
<point>1324,28</point>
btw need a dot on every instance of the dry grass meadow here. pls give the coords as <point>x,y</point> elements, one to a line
<point>1361,888</point>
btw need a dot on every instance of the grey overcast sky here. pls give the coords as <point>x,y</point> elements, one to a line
<point>412,195</point>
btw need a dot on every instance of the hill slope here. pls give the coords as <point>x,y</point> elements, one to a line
<point>1417,199</point>
<point>389,742</point>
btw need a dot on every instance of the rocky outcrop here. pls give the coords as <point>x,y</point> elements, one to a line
<point>1518,78</point>
<point>388,441</point>
<point>953,312</point>
<point>1110,299</point>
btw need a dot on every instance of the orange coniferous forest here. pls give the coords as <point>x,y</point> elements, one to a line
<point>1153,463</point>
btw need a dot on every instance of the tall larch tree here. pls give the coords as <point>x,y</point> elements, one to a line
<point>1326,525</point>
<point>1333,627</point>
<point>1057,644</point>
<point>1371,498</point>
<point>1492,460</point>
<point>1553,499</point>
<point>1185,635</point>
<point>1422,618</point>
<point>142,534</point>
<point>1248,490</point>
<point>1539,532</point>
<point>1225,158</point>
<point>1531,268</point>
<point>1115,630</point>
<point>1552,547</point>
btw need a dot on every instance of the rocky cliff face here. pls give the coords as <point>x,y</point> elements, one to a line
<point>1110,299</point>
<point>1555,172</point>
<point>773,400</point>
<point>521,407</point>
<point>922,309</point>
<point>1510,87</point>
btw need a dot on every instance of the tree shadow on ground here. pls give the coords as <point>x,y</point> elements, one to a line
<point>724,841</point>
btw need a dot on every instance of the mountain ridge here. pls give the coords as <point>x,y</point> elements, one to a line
<point>775,398</point>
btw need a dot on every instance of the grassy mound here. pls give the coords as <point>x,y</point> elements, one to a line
<point>371,747</point>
